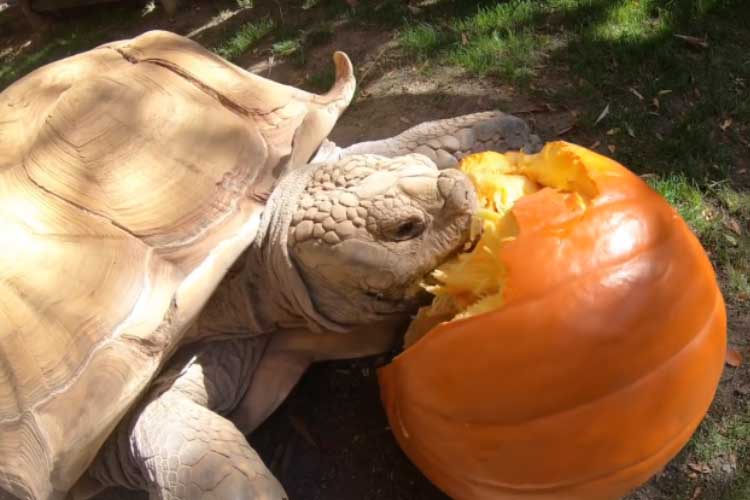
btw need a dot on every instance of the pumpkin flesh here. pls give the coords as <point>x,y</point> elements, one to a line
<point>580,353</point>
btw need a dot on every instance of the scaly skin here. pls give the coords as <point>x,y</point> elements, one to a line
<point>447,141</point>
<point>177,445</point>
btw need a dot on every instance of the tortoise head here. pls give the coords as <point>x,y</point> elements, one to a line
<point>364,231</point>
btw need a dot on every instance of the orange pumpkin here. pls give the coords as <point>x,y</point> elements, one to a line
<point>594,368</point>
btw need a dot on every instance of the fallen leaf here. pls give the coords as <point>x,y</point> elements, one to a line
<point>612,148</point>
<point>603,114</point>
<point>665,92</point>
<point>613,131</point>
<point>655,102</point>
<point>727,123</point>
<point>699,467</point>
<point>405,120</point>
<point>696,493</point>
<point>732,224</point>
<point>464,39</point>
<point>636,93</point>
<point>300,426</point>
<point>537,108</point>
<point>595,145</point>
<point>693,41</point>
<point>733,358</point>
<point>565,130</point>
<point>631,133</point>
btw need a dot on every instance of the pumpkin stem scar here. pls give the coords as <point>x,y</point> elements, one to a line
<point>472,283</point>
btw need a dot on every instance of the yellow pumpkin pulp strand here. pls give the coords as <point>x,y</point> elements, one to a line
<point>472,283</point>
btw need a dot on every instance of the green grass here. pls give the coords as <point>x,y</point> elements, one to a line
<point>511,55</point>
<point>720,217</point>
<point>244,38</point>
<point>493,41</point>
<point>716,440</point>
<point>286,48</point>
<point>691,203</point>
<point>730,434</point>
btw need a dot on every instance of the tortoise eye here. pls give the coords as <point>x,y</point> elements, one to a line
<point>408,229</point>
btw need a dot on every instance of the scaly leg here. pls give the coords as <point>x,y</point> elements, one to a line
<point>447,141</point>
<point>176,445</point>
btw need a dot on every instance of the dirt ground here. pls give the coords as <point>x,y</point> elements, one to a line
<point>330,440</point>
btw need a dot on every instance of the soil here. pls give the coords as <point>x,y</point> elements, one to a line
<point>330,440</point>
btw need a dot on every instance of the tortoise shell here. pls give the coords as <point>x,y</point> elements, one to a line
<point>131,177</point>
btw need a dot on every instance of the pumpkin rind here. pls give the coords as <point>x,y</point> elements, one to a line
<point>595,372</point>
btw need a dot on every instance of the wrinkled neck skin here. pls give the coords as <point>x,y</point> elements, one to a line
<point>277,295</point>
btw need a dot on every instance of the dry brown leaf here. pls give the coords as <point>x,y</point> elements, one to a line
<point>612,148</point>
<point>732,224</point>
<point>464,39</point>
<point>603,114</point>
<point>655,102</point>
<point>534,108</point>
<point>693,41</point>
<point>733,358</point>
<point>700,467</point>
<point>595,145</point>
<point>727,123</point>
<point>696,493</point>
<point>636,93</point>
<point>300,426</point>
<point>565,130</point>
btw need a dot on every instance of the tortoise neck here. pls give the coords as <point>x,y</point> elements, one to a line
<point>273,281</point>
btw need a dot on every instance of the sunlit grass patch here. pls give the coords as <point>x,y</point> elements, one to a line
<point>631,21</point>
<point>503,16</point>
<point>511,55</point>
<point>247,35</point>
<point>689,201</point>
<point>422,39</point>
<point>285,48</point>
<point>720,217</point>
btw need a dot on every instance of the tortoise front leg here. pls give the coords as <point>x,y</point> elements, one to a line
<point>290,352</point>
<point>177,446</point>
<point>447,141</point>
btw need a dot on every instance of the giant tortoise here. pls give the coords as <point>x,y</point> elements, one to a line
<point>178,244</point>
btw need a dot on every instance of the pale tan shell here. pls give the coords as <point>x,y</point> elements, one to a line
<point>131,178</point>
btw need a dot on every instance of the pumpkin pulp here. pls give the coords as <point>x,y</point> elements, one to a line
<point>472,283</point>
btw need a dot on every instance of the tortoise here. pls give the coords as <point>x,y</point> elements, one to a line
<point>180,242</point>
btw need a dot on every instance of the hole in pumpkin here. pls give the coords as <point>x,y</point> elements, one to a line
<point>472,283</point>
